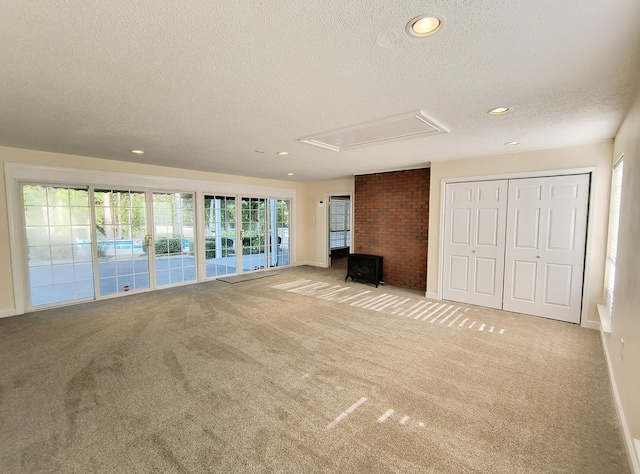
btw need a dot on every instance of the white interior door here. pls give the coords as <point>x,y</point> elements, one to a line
<point>544,257</point>
<point>475,216</point>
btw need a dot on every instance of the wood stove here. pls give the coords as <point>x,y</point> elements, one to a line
<point>366,268</point>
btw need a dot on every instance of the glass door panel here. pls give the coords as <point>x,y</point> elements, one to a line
<point>254,231</point>
<point>279,249</point>
<point>121,226</point>
<point>220,235</point>
<point>173,238</point>
<point>59,247</point>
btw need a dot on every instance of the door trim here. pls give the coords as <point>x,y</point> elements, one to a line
<point>591,170</point>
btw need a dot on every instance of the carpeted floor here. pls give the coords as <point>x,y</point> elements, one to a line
<point>247,277</point>
<point>301,372</point>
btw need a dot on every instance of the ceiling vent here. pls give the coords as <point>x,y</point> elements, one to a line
<point>401,127</point>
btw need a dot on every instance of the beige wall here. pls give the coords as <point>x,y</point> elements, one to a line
<point>596,155</point>
<point>625,320</point>
<point>305,228</point>
<point>318,215</point>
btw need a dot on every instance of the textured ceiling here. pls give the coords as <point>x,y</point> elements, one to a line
<point>202,85</point>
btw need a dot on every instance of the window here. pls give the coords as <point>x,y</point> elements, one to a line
<point>340,222</point>
<point>612,244</point>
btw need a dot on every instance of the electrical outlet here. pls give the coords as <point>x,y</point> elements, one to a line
<point>621,348</point>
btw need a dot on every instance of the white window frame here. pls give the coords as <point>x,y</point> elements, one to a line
<point>606,309</point>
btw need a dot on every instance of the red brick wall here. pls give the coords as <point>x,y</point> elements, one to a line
<point>391,218</point>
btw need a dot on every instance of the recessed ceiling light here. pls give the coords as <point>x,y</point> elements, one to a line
<point>137,152</point>
<point>259,151</point>
<point>289,174</point>
<point>423,25</point>
<point>283,153</point>
<point>512,143</point>
<point>499,110</point>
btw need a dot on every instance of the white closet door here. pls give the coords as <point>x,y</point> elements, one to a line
<point>546,233</point>
<point>475,216</point>
<point>457,242</point>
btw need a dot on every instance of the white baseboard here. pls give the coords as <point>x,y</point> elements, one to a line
<point>591,325</point>
<point>311,264</point>
<point>628,440</point>
<point>431,296</point>
<point>7,313</point>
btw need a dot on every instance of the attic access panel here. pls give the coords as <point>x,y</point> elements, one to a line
<point>401,127</point>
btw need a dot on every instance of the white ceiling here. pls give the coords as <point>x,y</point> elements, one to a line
<point>202,85</point>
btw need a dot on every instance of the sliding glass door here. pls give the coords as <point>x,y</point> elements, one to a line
<point>220,235</point>
<point>265,233</point>
<point>92,242</point>
<point>279,243</point>
<point>59,246</point>
<point>173,238</point>
<point>254,231</point>
<point>121,230</point>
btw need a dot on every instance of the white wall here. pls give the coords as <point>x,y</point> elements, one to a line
<point>597,155</point>
<point>625,320</point>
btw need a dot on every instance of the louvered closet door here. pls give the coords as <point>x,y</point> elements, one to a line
<point>546,233</point>
<point>475,216</point>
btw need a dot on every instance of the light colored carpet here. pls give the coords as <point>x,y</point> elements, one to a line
<point>247,277</point>
<point>270,376</point>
